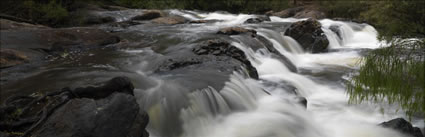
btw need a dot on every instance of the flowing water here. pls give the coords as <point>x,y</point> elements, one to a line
<point>202,103</point>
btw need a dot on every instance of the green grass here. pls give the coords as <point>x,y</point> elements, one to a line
<point>394,74</point>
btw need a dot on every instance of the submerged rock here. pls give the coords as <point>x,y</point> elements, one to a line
<point>149,15</point>
<point>309,34</point>
<point>222,48</point>
<point>95,19</point>
<point>237,31</point>
<point>258,19</point>
<point>335,29</point>
<point>171,20</point>
<point>109,110</point>
<point>203,21</point>
<point>112,116</point>
<point>275,52</point>
<point>401,125</point>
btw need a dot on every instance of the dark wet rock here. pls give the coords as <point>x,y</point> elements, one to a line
<point>237,31</point>
<point>403,126</point>
<point>335,29</point>
<point>149,15</point>
<point>11,57</point>
<point>118,84</point>
<point>300,12</point>
<point>222,48</point>
<point>192,72</point>
<point>82,117</point>
<point>258,19</point>
<point>102,111</point>
<point>191,62</point>
<point>302,101</point>
<point>274,51</point>
<point>309,34</point>
<point>203,21</point>
<point>124,24</point>
<point>198,21</point>
<point>170,20</point>
<point>13,25</point>
<point>51,40</point>
<point>94,19</point>
<point>15,19</point>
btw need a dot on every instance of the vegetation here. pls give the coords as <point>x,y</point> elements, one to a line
<point>246,6</point>
<point>58,13</point>
<point>386,74</point>
<point>394,74</point>
<point>392,18</point>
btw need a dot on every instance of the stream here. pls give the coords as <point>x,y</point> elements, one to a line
<point>202,101</point>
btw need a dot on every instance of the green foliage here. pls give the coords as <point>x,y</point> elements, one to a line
<point>53,13</point>
<point>247,6</point>
<point>392,18</point>
<point>397,18</point>
<point>345,8</point>
<point>394,74</point>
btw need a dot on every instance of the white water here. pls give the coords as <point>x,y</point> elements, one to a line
<point>243,109</point>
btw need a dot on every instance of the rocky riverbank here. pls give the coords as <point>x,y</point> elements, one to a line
<point>137,49</point>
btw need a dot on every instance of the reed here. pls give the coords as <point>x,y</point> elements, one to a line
<point>394,74</point>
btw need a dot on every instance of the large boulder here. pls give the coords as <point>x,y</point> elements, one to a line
<point>401,125</point>
<point>170,20</point>
<point>149,15</point>
<point>257,19</point>
<point>218,47</point>
<point>108,110</point>
<point>309,34</point>
<point>112,116</point>
<point>237,31</point>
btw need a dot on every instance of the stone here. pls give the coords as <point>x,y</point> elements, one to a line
<point>403,126</point>
<point>14,25</point>
<point>149,15</point>
<point>171,20</point>
<point>309,35</point>
<point>258,19</point>
<point>11,57</point>
<point>237,31</point>
<point>219,47</point>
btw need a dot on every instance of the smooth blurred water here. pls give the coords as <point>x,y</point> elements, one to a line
<point>204,103</point>
<point>251,108</point>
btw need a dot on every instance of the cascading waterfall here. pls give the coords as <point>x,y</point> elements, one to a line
<point>250,108</point>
